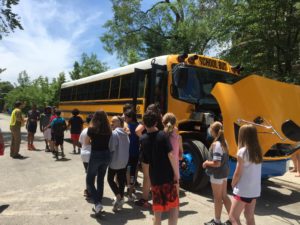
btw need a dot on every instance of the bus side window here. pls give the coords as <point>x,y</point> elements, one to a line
<point>125,89</point>
<point>114,88</point>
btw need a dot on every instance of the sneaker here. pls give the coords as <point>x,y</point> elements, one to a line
<point>212,222</point>
<point>131,198</point>
<point>121,203</point>
<point>29,147</point>
<point>227,223</point>
<point>142,203</point>
<point>115,204</point>
<point>98,208</point>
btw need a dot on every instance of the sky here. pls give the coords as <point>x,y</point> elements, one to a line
<point>56,33</point>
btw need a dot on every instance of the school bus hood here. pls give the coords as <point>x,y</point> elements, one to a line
<point>254,96</point>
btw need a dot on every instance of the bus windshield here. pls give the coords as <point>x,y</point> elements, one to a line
<point>194,85</point>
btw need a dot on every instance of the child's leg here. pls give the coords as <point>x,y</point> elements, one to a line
<point>298,164</point>
<point>121,177</point>
<point>217,193</point>
<point>157,218</point>
<point>146,182</point>
<point>111,181</point>
<point>62,150</point>
<point>225,197</point>
<point>249,212</point>
<point>173,216</point>
<point>294,159</point>
<point>236,209</point>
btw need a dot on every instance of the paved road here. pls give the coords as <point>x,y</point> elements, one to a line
<point>39,190</point>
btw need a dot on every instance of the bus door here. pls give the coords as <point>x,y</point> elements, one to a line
<point>156,90</point>
<point>138,87</point>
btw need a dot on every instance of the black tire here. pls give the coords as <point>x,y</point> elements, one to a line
<point>200,153</point>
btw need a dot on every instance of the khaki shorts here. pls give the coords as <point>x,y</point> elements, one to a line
<point>47,134</point>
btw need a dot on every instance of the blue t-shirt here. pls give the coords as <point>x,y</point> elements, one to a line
<point>134,150</point>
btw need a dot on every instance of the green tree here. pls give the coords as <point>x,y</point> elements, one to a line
<point>89,65</point>
<point>166,27</point>
<point>5,87</point>
<point>264,37</point>
<point>9,21</point>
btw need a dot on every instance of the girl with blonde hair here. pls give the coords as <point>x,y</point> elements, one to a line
<point>169,122</point>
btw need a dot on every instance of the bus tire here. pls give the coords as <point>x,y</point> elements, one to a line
<point>193,176</point>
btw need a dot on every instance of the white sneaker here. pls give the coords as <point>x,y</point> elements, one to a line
<point>98,208</point>
<point>121,203</point>
<point>131,198</point>
<point>115,204</point>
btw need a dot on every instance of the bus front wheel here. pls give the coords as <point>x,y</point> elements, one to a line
<point>193,176</point>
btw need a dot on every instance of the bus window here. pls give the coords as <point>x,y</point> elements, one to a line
<point>125,89</point>
<point>141,86</point>
<point>102,89</point>
<point>114,88</point>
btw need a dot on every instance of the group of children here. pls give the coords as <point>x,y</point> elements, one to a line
<point>155,143</point>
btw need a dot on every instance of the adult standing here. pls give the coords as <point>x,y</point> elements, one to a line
<point>99,134</point>
<point>16,121</point>
<point>33,116</point>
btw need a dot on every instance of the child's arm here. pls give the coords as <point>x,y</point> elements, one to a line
<point>139,130</point>
<point>211,164</point>
<point>238,172</point>
<point>173,163</point>
<point>180,148</point>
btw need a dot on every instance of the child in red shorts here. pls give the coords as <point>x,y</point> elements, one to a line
<point>76,124</point>
<point>157,154</point>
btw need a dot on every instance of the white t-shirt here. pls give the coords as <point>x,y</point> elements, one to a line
<point>85,149</point>
<point>249,185</point>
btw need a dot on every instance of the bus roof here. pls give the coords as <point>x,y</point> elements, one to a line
<point>146,64</point>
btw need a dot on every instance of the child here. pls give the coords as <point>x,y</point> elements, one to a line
<point>248,168</point>
<point>85,150</point>
<point>44,122</point>
<point>169,122</point>
<point>218,170</point>
<point>119,148</point>
<point>158,156</point>
<point>76,124</point>
<point>58,126</point>
<point>134,151</point>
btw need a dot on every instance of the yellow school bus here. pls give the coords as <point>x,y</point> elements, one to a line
<point>198,90</point>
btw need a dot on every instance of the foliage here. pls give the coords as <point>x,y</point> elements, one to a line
<point>167,27</point>
<point>264,37</point>
<point>90,65</point>
<point>39,91</point>
<point>9,21</point>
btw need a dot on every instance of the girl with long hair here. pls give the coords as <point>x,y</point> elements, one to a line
<point>217,167</point>
<point>169,122</point>
<point>248,168</point>
<point>98,135</point>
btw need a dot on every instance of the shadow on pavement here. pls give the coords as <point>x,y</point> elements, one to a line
<point>3,207</point>
<point>272,200</point>
<point>120,217</point>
